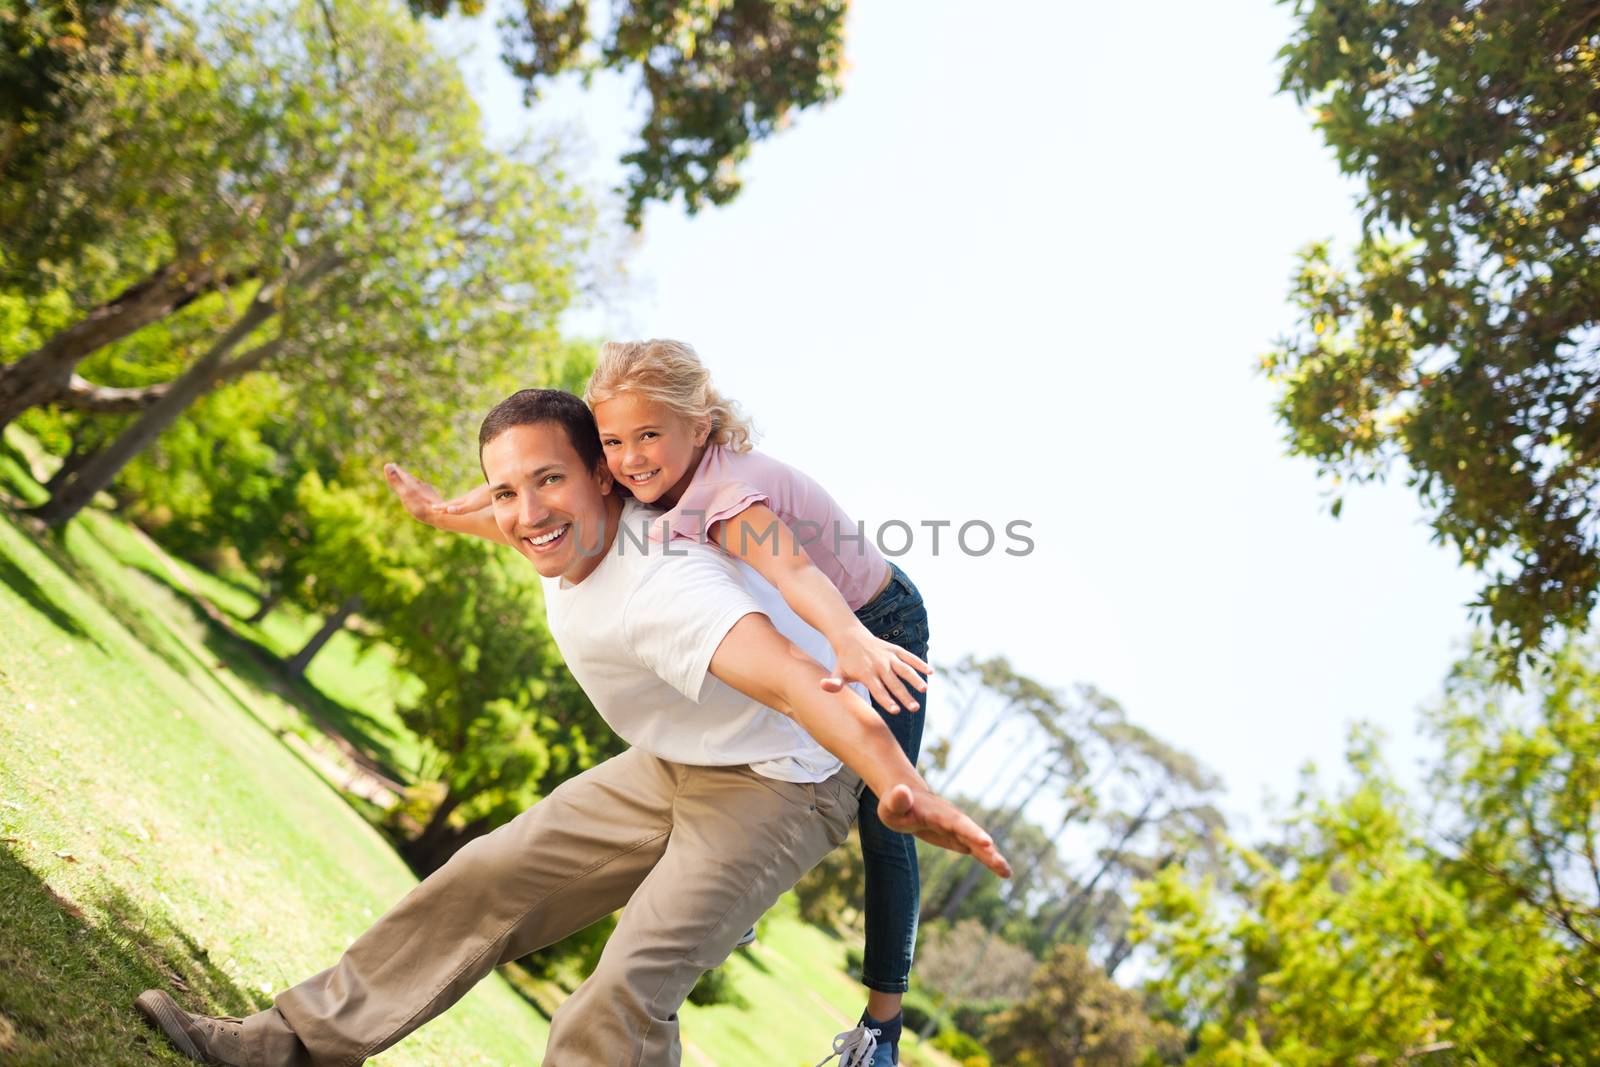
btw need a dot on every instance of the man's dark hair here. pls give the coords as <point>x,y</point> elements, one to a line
<point>529,407</point>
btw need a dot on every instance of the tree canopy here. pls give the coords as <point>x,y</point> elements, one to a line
<point>1460,337</point>
<point>719,76</point>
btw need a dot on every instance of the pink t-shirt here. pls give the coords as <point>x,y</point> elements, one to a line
<point>727,482</point>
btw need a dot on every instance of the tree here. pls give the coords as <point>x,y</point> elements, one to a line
<point>1148,801</point>
<point>46,50</point>
<point>833,885</point>
<point>720,75</point>
<point>502,720</point>
<point>1351,937</point>
<point>130,203</point>
<point>1462,337</point>
<point>1518,795</point>
<point>965,961</point>
<point>396,254</point>
<point>1075,1016</point>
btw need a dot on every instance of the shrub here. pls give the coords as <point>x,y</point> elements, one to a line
<point>716,987</point>
<point>961,1046</point>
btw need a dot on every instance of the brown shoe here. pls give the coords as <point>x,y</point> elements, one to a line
<point>202,1038</point>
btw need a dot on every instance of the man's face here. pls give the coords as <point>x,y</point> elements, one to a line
<point>546,502</point>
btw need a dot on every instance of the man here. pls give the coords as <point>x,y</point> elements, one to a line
<point>727,796</point>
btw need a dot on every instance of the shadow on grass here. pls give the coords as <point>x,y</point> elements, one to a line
<point>16,476</point>
<point>178,550</point>
<point>250,661</point>
<point>753,960</point>
<point>259,666</point>
<point>24,586</point>
<point>144,625</point>
<point>67,981</point>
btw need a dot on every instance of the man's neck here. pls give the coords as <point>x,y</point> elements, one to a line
<point>589,559</point>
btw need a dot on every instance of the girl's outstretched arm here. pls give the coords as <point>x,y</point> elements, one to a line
<point>420,499</point>
<point>757,536</point>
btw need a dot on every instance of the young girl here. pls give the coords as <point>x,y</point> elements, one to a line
<point>674,442</point>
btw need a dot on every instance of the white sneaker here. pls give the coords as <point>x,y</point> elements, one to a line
<point>749,938</point>
<point>854,1048</point>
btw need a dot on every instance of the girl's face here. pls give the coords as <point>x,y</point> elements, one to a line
<point>650,448</point>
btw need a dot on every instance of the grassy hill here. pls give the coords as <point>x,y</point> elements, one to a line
<point>169,816</point>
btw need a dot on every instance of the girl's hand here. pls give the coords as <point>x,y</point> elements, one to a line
<point>475,499</point>
<point>417,495</point>
<point>883,667</point>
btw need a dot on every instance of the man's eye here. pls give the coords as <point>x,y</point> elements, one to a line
<point>502,495</point>
<point>552,478</point>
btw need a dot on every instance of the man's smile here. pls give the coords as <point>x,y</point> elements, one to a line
<point>548,540</point>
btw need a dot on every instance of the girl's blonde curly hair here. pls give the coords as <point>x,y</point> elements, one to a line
<point>671,374</point>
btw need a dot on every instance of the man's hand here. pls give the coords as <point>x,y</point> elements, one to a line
<point>417,495</point>
<point>941,823</point>
<point>424,504</point>
<point>475,499</point>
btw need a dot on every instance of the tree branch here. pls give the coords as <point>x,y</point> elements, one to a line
<point>84,395</point>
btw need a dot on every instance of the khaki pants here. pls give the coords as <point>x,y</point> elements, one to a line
<point>693,855</point>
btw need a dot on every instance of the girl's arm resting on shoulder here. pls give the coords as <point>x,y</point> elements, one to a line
<point>757,536</point>
<point>761,663</point>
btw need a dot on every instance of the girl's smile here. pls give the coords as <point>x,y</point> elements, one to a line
<point>650,448</point>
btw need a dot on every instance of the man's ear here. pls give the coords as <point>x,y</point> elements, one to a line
<point>602,477</point>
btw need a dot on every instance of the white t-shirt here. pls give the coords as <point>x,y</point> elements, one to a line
<point>639,632</point>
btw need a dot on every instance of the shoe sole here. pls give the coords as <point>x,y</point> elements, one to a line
<point>163,1013</point>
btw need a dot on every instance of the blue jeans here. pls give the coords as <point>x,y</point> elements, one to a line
<point>894,890</point>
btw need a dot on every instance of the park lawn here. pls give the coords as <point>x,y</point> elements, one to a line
<point>154,830</point>
<point>798,997</point>
<point>149,813</point>
<point>352,689</point>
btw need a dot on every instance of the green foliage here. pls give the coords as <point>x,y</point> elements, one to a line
<point>1357,939</point>
<point>961,1046</point>
<point>1461,336</point>
<point>373,251</point>
<point>833,885</point>
<point>716,987</point>
<point>226,476</point>
<point>719,76</point>
<point>112,683</point>
<point>502,719</point>
<point>573,958</point>
<point>973,1016</point>
<point>1141,800</point>
<point>1521,778</point>
<point>1075,1016</point>
<point>48,50</point>
<point>918,1010</point>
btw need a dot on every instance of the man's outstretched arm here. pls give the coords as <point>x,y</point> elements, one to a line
<point>419,499</point>
<point>764,665</point>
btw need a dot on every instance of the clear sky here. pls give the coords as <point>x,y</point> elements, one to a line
<point>1025,269</point>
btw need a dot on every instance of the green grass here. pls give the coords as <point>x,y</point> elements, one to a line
<point>156,830</point>
<point>352,689</point>
<point>798,997</point>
